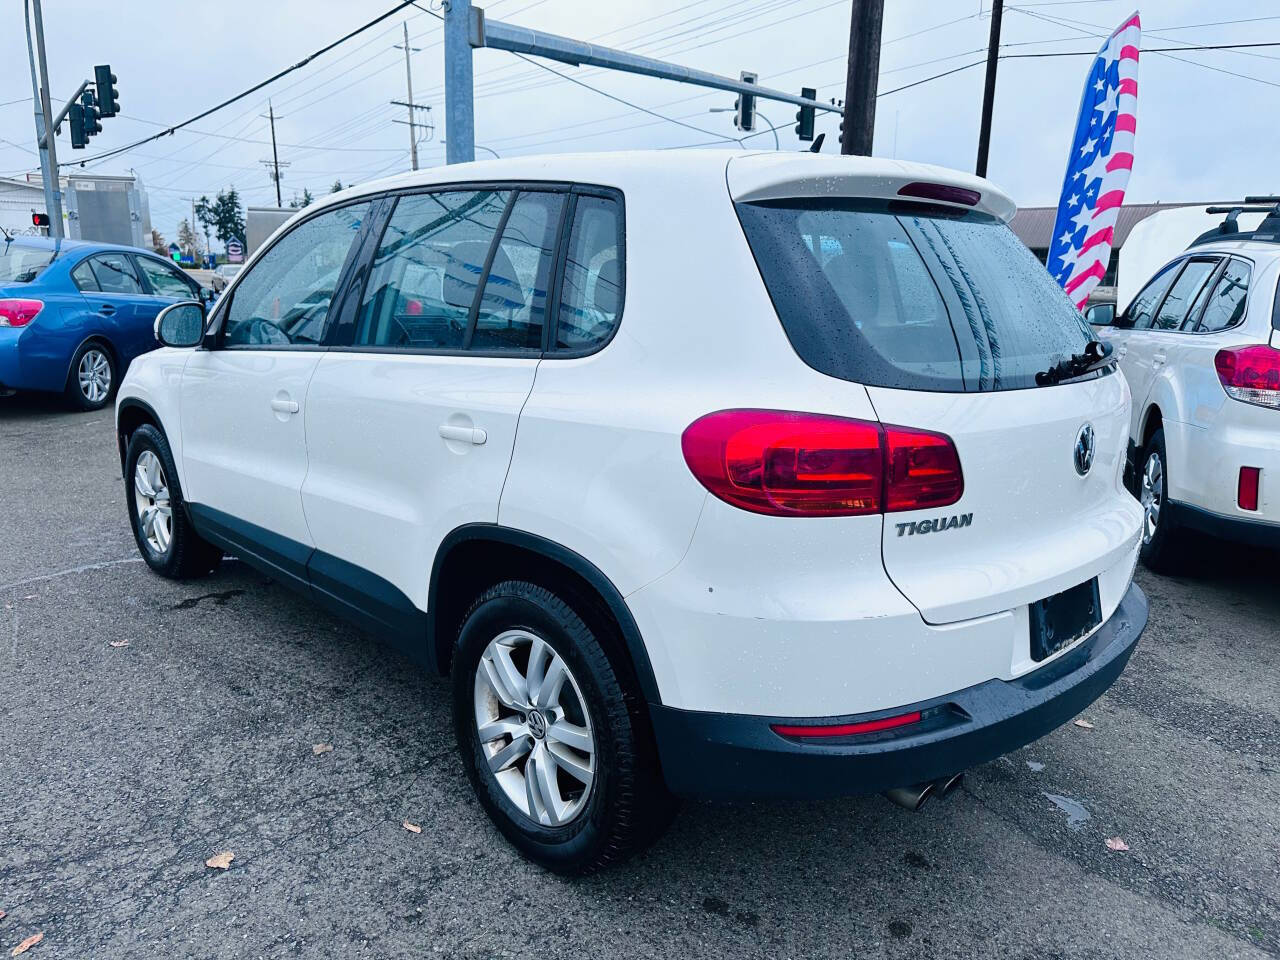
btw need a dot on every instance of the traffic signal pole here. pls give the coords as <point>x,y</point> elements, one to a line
<point>459,83</point>
<point>44,121</point>
<point>989,91</point>
<point>859,125</point>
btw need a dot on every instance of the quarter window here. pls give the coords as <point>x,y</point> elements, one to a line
<point>165,280</point>
<point>83,277</point>
<point>115,274</point>
<point>591,293</point>
<point>1184,292</point>
<point>428,268</point>
<point>284,298</point>
<point>514,303</point>
<point>1226,304</point>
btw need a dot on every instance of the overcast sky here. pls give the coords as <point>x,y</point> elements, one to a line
<point>1206,119</point>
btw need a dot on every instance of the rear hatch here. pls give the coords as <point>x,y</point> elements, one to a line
<point>913,285</point>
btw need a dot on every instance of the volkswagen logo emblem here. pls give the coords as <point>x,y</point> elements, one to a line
<point>1085,444</point>
<point>537,724</point>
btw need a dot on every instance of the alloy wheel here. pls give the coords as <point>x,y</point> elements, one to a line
<point>1152,496</point>
<point>534,730</point>
<point>94,375</point>
<point>151,494</point>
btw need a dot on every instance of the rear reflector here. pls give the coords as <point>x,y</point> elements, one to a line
<point>941,191</point>
<point>18,313</point>
<point>846,729</point>
<point>1247,490</point>
<point>1250,374</point>
<point>781,463</point>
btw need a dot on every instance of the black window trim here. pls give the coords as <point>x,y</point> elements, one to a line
<point>1244,314</point>
<point>361,270</point>
<point>215,332</point>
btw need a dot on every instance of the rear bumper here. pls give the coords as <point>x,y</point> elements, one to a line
<point>733,756</point>
<point>1259,533</point>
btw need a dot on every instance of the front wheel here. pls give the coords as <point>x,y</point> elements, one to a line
<point>559,755</point>
<point>161,528</point>
<point>1160,537</point>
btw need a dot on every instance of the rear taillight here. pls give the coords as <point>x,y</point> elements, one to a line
<point>810,465</point>
<point>1250,374</point>
<point>18,313</point>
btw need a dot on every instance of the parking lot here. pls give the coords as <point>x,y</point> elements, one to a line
<point>146,726</point>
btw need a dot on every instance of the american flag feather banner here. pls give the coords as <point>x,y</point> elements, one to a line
<point>1099,166</point>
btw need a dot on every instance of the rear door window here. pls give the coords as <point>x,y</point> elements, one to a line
<point>115,274</point>
<point>513,307</point>
<point>1226,302</point>
<point>427,269</point>
<point>911,296</point>
<point>1184,293</point>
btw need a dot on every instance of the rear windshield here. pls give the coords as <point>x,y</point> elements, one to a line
<point>911,296</point>
<point>22,264</point>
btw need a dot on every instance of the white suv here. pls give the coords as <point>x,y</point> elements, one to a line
<point>1200,347</point>
<point>749,475</point>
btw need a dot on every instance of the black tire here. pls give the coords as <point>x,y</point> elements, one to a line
<point>1163,552</point>
<point>627,804</point>
<point>81,396</point>
<point>185,555</point>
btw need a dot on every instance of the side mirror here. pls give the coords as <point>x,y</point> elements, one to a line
<point>1101,315</point>
<point>181,324</point>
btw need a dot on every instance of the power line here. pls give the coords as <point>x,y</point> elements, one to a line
<point>254,89</point>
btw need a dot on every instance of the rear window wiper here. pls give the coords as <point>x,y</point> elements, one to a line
<point>1095,356</point>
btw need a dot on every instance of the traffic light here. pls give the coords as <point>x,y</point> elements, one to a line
<point>89,104</point>
<point>76,116</point>
<point>745,105</point>
<point>39,219</point>
<point>805,115</point>
<point>108,95</point>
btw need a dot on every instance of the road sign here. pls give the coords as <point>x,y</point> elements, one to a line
<point>235,252</point>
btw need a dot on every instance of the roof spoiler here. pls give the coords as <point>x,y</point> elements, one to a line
<point>1229,228</point>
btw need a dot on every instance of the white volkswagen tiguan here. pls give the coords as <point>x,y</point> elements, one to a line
<point>701,474</point>
<point>1200,347</point>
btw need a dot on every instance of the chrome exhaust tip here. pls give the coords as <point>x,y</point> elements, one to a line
<point>910,798</point>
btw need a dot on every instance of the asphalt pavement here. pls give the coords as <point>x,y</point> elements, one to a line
<point>147,726</point>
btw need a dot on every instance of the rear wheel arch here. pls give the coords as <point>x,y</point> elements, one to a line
<point>476,556</point>
<point>1152,421</point>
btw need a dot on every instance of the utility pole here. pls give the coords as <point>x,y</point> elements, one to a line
<point>864,69</point>
<point>459,83</point>
<point>408,81</point>
<point>989,91</point>
<point>44,122</point>
<point>275,157</point>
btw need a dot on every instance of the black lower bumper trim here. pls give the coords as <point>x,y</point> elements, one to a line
<point>1257,533</point>
<point>726,756</point>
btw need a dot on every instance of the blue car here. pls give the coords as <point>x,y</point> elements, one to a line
<point>74,314</point>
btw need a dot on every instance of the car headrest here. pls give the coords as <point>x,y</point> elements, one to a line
<point>466,262</point>
<point>608,287</point>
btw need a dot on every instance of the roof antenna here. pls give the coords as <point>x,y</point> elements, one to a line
<point>817,143</point>
<point>8,237</point>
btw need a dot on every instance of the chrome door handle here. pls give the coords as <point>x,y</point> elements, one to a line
<point>463,434</point>
<point>284,406</point>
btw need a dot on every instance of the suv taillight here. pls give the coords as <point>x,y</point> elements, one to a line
<point>811,465</point>
<point>1250,374</point>
<point>18,313</point>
